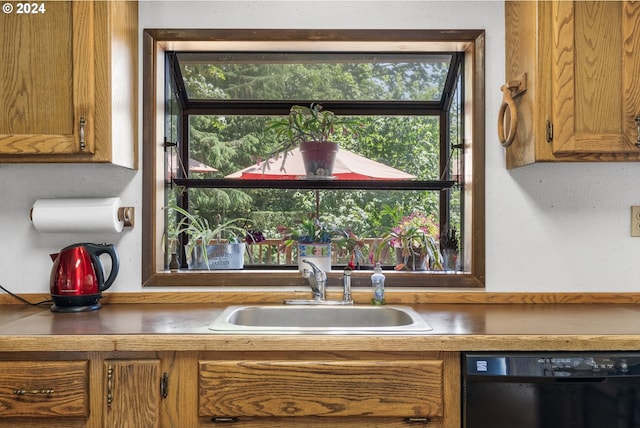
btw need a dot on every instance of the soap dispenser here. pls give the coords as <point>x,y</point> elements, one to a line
<point>377,285</point>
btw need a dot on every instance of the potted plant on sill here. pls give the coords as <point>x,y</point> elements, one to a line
<point>211,248</point>
<point>449,246</point>
<point>313,240</point>
<point>412,240</point>
<point>311,128</point>
<point>350,245</point>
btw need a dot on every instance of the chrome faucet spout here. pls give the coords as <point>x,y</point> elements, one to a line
<point>317,281</point>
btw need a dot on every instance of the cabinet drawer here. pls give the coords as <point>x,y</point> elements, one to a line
<point>43,388</point>
<point>403,388</point>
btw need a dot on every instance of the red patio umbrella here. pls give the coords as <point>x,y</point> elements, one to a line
<point>175,163</point>
<point>348,166</point>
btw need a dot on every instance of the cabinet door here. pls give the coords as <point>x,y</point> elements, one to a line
<point>579,60</point>
<point>68,83</point>
<point>595,87</point>
<point>132,397</point>
<point>47,81</point>
<point>325,388</point>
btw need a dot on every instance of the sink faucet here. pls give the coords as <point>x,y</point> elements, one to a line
<point>317,281</point>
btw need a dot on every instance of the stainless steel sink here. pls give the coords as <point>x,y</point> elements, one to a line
<point>272,319</point>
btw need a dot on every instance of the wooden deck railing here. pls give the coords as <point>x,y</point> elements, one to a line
<point>272,252</point>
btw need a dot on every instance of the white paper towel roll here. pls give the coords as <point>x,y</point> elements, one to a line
<point>77,215</point>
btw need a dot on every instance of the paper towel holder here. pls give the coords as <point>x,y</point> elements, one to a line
<point>125,214</point>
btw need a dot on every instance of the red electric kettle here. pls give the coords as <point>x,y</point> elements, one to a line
<point>77,277</point>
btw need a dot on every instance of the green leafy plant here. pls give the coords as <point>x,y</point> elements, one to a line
<point>311,123</point>
<point>200,233</point>
<point>308,230</point>
<point>413,235</point>
<point>311,230</point>
<point>349,243</point>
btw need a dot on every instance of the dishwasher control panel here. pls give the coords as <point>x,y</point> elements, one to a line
<point>561,365</point>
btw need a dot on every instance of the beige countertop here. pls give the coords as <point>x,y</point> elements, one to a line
<point>456,327</point>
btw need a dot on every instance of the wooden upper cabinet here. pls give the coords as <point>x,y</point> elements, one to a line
<point>582,97</point>
<point>68,83</point>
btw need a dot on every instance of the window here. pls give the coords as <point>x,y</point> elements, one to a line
<point>416,96</point>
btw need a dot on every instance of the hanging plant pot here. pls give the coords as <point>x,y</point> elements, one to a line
<point>319,158</point>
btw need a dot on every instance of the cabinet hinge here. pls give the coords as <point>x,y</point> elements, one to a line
<point>164,385</point>
<point>549,131</point>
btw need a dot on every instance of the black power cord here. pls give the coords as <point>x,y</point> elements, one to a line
<point>24,300</point>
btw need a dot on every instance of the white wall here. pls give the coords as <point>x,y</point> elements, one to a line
<point>560,227</point>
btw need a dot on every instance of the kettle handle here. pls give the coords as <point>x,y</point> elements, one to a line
<point>96,250</point>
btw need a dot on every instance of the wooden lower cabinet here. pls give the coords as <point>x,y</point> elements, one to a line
<point>329,389</point>
<point>53,391</point>
<point>80,389</point>
<point>243,389</point>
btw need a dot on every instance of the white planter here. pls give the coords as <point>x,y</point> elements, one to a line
<point>318,253</point>
<point>222,256</point>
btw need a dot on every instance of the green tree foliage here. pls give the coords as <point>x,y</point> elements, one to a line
<point>230,143</point>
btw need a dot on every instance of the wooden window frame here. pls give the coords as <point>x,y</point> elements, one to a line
<point>157,41</point>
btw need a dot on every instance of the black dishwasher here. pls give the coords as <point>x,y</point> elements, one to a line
<point>551,390</point>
